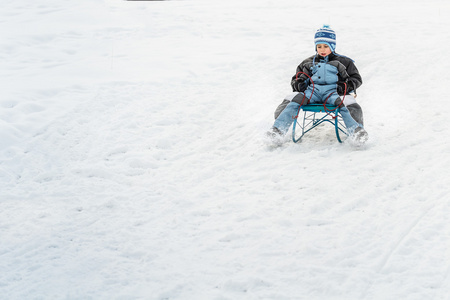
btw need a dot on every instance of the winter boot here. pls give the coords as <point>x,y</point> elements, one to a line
<point>360,136</point>
<point>275,135</point>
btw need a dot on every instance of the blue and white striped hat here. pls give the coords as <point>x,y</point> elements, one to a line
<point>326,35</point>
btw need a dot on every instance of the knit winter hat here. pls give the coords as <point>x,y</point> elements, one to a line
<point>326,35</point>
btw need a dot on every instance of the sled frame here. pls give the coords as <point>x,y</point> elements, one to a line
<point>312,115</point>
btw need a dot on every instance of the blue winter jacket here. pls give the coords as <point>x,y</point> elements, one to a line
<point>325,73</point>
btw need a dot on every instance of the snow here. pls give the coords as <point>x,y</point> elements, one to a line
<point>133,163</point>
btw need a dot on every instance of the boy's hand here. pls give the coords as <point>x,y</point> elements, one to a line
<point>299,86</point>
<point>342,87</point>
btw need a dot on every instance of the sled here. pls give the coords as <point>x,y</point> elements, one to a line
<point>312,115</point>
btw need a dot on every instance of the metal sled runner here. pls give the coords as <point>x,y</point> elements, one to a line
<point>312,115</point>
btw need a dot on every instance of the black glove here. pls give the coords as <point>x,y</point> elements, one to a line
<point>299,85</point>
<point>350,87</point>
<point>342,88</point>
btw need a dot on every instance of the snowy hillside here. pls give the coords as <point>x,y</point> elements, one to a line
<point>133,163</point>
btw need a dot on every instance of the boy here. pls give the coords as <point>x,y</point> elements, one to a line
<point>333,76</point>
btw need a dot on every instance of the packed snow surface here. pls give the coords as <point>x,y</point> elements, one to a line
<point>133,163</point>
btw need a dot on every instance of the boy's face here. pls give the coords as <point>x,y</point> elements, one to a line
<point>323,50</point>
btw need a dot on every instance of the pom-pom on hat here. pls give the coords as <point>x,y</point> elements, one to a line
<point>325,35</point>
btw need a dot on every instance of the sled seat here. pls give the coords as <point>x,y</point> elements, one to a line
<point>312,115</point>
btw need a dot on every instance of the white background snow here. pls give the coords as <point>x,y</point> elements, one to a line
<point>133,163</point>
